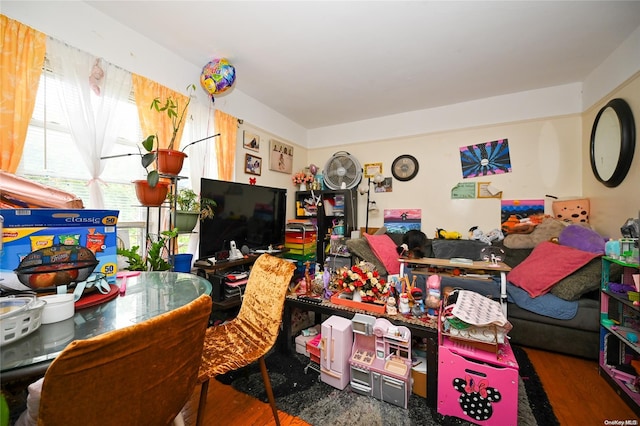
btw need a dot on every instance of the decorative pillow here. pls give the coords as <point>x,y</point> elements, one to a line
<point>547,264</point>
<point>584,280</point>
<point>386,251</point>
<point>549,228</point>
<point>360,248</point>
<point>576,211</point>
<point>582,238</point>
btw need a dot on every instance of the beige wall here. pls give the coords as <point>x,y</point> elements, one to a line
<point>269,177</point>
<point>544,156</point>
<point>610,207</point>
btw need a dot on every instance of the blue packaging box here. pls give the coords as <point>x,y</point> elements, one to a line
<point>27,230</point>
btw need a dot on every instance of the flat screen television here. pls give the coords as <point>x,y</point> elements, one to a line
<point>251,215</point>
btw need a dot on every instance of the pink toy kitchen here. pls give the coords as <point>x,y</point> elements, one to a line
<point>380,362</point>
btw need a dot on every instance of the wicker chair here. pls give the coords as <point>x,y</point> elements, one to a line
<point>248,337</point>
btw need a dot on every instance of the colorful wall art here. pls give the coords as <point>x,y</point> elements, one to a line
<point>490,158</point>
<point>399,221</point>
<point>521,216</point>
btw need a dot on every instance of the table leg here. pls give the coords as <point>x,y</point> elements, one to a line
<point>503,292</point>
<point>284,338</point>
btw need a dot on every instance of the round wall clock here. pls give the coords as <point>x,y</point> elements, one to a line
<point>405,167</point>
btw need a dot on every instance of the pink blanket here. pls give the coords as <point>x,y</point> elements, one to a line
<point>547,264</point>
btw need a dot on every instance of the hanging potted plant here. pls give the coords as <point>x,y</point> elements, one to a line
<point>190,208</point>
<point>152,191</point>
<point>169,160</point>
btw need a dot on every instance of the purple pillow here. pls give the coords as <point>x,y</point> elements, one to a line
<point>582,238</point>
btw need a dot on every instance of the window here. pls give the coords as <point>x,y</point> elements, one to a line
<point>50,156</point>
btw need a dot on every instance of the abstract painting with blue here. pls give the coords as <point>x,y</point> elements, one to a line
<point>490,158</point>
<point>399,221</point>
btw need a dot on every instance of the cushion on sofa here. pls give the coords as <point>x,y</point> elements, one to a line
<point>585,280</point>
<point>545,231</point>
<point>582,238</point>
<point>385,250</point>
<point>359,247</point>
<point>547,264</point>
<point>447,249</point>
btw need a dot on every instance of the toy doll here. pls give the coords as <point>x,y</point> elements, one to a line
<point>433,294</point>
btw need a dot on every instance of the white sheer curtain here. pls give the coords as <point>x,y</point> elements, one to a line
<point>202,161</point>
<point>91,91</point>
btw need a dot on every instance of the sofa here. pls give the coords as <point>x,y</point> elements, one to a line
<point>564,319</point>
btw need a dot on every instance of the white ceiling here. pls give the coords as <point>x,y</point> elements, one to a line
<point>321,63</point>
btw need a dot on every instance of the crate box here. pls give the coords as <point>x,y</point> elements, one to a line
<point>27,230</point>
<point>419,377</point>
<point>476,385</point>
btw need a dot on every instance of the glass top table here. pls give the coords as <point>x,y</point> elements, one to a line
<point>147,295</point>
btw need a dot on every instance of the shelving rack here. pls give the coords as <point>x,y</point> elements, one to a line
<point>619,362</point>
<point>324,207</point>
<point>171,207</point>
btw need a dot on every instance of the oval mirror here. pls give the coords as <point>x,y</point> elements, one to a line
<point>613,141</point>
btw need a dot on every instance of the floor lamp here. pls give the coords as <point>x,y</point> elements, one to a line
<point>377,179</point>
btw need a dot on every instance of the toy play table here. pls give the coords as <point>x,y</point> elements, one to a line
<point>488,267</point>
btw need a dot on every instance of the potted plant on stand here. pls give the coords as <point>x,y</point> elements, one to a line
<point>190,208</point>
<point>169,159</point>
<point>153,191</point>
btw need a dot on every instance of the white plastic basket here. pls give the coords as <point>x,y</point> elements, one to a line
<point>21,322</point>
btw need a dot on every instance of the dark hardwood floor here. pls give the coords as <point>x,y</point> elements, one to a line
<point>579,396</point>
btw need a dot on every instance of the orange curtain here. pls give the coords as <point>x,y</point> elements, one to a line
<point>21,61</point>
<point>227,126</point>
<point>152,121</point>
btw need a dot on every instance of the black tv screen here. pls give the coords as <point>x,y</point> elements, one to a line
<point>251,215</point>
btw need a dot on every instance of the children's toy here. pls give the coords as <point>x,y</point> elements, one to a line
<point>392,309</point>
<point>418,302</point>
<point>494,235</point>
<point>404,304</point>
<point>433,294</point>
<point>447,235</point>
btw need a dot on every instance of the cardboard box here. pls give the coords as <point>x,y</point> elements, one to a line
<point>27,230</point>
<point>419,376</point>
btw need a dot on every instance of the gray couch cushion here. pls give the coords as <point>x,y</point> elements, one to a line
<point>447,249</point>
<point>584,280</point>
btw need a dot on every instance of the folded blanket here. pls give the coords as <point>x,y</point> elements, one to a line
<point>547,304</point>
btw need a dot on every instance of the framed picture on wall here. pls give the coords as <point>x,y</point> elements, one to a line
<point>252,164</point>
<point>251,141</point>
<point>280,156</point>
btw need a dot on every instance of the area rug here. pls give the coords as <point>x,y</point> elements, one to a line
<point>299,392</point>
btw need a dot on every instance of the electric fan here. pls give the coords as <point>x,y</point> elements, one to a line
<point>342,171</point>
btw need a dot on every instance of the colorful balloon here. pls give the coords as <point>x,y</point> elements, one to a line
<point>313,169</point>
<point>217,76</point>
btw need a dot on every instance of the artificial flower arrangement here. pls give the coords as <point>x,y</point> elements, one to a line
<point>363,278</point>
<point>302,177</point>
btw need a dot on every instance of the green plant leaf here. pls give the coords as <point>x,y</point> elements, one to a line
<point>148,159</point>
<point>153,178</point>
<point>148,143</point>
<point>135,261</point>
